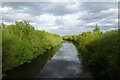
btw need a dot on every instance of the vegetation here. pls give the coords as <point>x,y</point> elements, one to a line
<point>30,70</point>
<point>21,43</point>
<point>99,52</point>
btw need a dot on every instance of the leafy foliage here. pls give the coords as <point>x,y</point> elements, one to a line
<point>21,43</point>
<point>99,51</point>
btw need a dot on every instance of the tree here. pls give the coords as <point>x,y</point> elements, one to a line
<point>97,29</point>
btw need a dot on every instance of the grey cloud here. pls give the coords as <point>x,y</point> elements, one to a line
<point>32,8</point>
<point>59,22</point>
<point>94,11</point>
<point>93,14</point>
<point>96,7</point>
<point>40,7</point>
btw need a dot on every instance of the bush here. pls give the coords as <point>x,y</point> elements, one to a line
<point>21,43</point>
<point>99,51</point>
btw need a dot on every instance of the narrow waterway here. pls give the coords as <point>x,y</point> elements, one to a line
<point>59,62</point>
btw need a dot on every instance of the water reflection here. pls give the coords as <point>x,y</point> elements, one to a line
<point>62,63</point>
<point>30,70</point>
<point>67,52</point>
<point>60,69</point>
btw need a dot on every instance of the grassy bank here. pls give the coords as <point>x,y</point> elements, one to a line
<point>21,43</point>
<point>99,52</point>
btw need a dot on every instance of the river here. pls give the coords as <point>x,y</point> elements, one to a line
<point>59,62</point>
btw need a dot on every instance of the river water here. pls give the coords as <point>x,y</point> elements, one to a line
<point>59,62</point>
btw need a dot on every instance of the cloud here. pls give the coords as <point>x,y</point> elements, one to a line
<point>43,7</point>
<point>96,7</point>
<point>64,18</point>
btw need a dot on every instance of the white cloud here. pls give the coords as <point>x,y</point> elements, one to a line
<point>5,9</point>
<point>110,10</point>
<point>46,19</point>
<point>62,18</point>
<point>91,24</point>
<point>73,5</point>
<point>8,23</point>
<point>70,19</point>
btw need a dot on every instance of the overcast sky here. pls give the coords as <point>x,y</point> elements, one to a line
<point>63,18</point>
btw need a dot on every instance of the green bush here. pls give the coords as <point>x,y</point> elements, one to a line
<point>99,51</point>
<point>21,43</point>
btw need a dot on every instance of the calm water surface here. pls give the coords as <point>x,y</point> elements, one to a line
<point>59,62</point>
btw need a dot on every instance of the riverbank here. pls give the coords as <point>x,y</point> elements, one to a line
<point>30,70</point>
<point>61,61</point>
<point>21,43</point>
<point>99,52</point>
